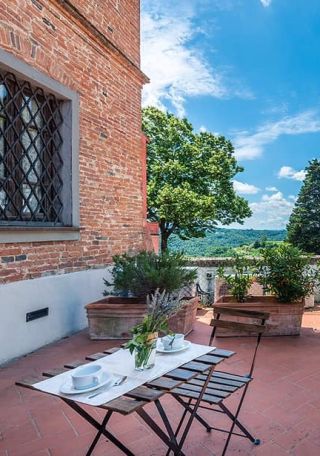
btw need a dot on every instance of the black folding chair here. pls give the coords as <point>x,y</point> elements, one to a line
<point>214,387</point>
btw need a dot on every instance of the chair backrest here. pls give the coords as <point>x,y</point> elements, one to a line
<point>246,327</point>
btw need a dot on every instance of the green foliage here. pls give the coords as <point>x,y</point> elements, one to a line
<point>160,307</point>
<point>255,249</point>
<point>224,242</point>
<point>286,272</point>
<point>143,273</point>
<point>240,279</point>
<point>304,224</point>
<point>189,178</point>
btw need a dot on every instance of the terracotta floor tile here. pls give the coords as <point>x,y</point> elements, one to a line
<point>80,445</point>
<point>41,444</point>
<point>269,449</point>
<point>19,434</point>
<point>52,422</point>
<point>40,453</point>
<point>305,448</point>
<point>282,407</point>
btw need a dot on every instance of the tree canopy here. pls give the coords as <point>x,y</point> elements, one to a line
<point>190,176</point>
<point>304,224</point>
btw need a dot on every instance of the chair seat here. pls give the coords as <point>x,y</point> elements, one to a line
<point>219,388</point>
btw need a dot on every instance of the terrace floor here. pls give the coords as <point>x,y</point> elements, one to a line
<point>282,407</point>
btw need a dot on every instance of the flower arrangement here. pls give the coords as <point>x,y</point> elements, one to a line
<point>160,305</point>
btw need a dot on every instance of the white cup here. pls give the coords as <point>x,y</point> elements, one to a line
<point>87,376</point>
<point>172,341</point>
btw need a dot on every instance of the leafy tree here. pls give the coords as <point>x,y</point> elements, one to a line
<point>189,178</point>
<point>304,224</point>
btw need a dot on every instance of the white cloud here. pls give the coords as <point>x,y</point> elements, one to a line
<point>271,212</point>
<point>249,146</point>
<point>281,108</point>
<point>176,67</point>
<point>274,197</point>
<point>176,70</point>
<point>245,189</point>
<point>287,172</point>
<point>272,189</point>
<point>266,3</point>
<point>203,129</point>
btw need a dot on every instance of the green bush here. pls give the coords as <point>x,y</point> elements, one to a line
<point>240,279</point>
<point>285,271</point>
<point>142,274</point>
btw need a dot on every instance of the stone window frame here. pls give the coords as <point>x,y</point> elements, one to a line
<point>70,135</point>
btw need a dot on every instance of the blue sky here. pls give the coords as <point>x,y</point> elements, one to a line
<point>247,69</point>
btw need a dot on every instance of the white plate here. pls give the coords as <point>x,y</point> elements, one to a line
<point>68,388</point>
<point>160,347</point>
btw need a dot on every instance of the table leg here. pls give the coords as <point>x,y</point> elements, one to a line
<point>170,442</point>
<point>165,420</point>
<point>99,433</point>
<point>99,426</point>
<point>193,413</point>
<point>188,408</point>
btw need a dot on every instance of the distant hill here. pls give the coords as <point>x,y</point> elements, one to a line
<point>223,241</point>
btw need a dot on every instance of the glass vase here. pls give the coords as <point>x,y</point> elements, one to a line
<point>144,354</point>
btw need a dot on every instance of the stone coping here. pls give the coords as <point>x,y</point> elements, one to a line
<point>227,261</point>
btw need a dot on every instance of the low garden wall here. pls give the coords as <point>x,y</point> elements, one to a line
<point>63,295</point>
<point>207,273</point>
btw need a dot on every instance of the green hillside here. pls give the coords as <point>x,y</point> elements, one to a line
<point>224,241</point>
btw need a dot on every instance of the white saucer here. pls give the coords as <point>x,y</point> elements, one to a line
<point>161,349</point>
<point>68,388</point>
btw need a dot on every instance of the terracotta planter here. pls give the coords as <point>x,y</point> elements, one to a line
<point>183,320</point>
<point>113,317</point>
<point>222,289</point>
<point>285,318</point>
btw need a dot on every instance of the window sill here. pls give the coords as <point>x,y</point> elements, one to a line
<point>16,234</point>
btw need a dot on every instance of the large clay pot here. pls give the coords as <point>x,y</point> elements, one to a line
<point>222,289</point>
<point>285,318</point>
<point>183,320</point>
<point>113,317</point>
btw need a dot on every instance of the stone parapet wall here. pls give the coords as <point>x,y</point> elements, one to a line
<point>207,275</point>
<point>215,262</point>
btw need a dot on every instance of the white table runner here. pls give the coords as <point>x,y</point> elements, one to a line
<point>122,363</point>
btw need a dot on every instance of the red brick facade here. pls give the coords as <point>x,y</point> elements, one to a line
<point>92,47</point>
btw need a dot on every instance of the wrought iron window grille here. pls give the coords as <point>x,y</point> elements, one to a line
<point>30,154</point>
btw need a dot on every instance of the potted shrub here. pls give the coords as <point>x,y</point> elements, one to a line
<point>134,277</point>
<point>241,279</point>
<point>285,273</point>
<point>145,334</point>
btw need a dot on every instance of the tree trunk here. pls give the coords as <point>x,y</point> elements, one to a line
<point>164,241</point>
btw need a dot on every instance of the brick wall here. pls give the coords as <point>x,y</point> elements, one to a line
<point>100,61</point>
<point>118,19</point>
